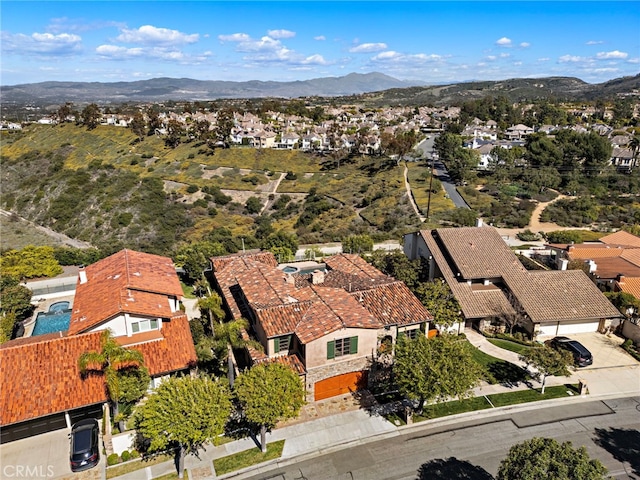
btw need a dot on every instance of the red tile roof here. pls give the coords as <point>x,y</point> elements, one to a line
<point>622,238</point>
<point>629,285</point>
<point>127,281</point>
<point>40,377</point>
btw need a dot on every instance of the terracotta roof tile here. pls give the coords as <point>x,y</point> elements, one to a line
<point>588,251</point>
<point>622,238</point>
<point>41,377</point>
<point>393,304</point>
<point>630,285</point>
<point>352,264</point>
<point>607,268</point>
<point>127,281</point>
<point>291,361</point>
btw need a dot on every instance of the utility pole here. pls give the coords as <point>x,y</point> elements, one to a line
<point>430,184</point>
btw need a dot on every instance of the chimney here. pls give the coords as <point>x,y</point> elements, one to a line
<point>479,222</point>
<point>288,278</point>
<point>592,266</point>
<point>620,278</point>
<point>82,273</point>
<point>317,277</point>
<point>563,263</point>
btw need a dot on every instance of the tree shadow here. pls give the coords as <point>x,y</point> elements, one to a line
<point>451,469</point>
<point>508,374</point>
<point>623,444</point>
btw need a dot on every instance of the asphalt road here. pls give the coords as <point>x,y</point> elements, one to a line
<point>610,431</point>
<point>441,173</point>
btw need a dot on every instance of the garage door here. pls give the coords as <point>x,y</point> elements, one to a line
<point>548,329</point>
<point>33,427</point>
<point>339,385</point>
<point>583,327</point>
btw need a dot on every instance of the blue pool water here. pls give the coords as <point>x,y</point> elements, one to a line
<point>50,322</point>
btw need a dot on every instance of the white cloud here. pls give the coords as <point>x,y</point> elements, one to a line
<point>44,44</point>
<point>570,59</point>
<point>503,42</point>
<point>634,60</point>
<point>612,54</point>
<point>281,33</point>
<point>117,52</point>
<point>315,60</point>
<point>524,45</point>
<point>505,55</point>
<point>368,47</point>
<point>150,35</point>
<point>234,37</point>
<point>320,38</point>
<point>594,42</point>
<point>544,59</point>
<point>390,54</point>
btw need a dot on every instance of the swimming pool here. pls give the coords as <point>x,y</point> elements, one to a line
<point>59,306</point>
<point>52,321</point>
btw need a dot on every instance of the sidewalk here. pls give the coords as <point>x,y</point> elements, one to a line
<point>338,421</point>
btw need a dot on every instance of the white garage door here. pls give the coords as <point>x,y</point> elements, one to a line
<point>582,327</point>
<point>548,329</point>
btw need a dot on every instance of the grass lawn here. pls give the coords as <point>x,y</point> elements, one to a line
<point>499,371</point>
<point>454,407</point>
<point>533,395</point>
<point>187,290</point>
<point>247,458</point>
<point>507,345</point>
<point>117,470</point>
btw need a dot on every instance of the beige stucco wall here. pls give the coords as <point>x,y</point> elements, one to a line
<point>316,351</point>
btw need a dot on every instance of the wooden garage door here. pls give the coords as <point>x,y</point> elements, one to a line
<point>340,384</point>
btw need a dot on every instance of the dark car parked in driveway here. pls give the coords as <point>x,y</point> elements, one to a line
<point>85,445</point>
<point>581,355</point>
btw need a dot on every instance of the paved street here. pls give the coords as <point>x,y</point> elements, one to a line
<point>473,449</point>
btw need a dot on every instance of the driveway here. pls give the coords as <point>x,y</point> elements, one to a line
<point>605,349</point>
<point>44,456</point>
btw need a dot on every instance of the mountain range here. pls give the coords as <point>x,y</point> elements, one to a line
<point>370,88</point>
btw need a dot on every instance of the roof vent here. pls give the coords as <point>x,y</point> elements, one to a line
<point>82,274</point>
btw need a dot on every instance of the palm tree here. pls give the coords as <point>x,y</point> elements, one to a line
<point>111,358</point>
<point>211,306</point>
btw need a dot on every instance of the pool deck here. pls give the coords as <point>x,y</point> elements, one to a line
<point>43,306</point>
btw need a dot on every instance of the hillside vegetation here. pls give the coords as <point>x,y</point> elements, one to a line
<point>106,187</point>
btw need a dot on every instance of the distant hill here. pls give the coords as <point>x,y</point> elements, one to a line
<point>163,89</point>
<point>516,90</point>
<point>375,89</point>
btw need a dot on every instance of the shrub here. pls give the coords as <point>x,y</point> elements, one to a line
<point>135,454</point>
<point>192,189</point>
<point>527,236</point>
<point>126,456</point>
<point>113,459</point>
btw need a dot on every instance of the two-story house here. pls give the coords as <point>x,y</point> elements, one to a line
<point>327,324</point>
<point>135,295</point>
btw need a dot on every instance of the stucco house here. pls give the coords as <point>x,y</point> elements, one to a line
<point>135,295</point>
<point>491,284</point>
<point>326,324</point>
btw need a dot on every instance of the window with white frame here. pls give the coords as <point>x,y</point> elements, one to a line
<point>145,325</point>
<point>341,347</point>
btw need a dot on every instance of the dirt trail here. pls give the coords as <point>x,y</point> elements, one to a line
<point>410,194</point>
<point>71,242</point>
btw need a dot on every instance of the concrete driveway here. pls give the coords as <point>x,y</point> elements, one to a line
<point>605,349</point>
<point>44,456</point>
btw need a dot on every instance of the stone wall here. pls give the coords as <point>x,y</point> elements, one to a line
<point>631,330</point>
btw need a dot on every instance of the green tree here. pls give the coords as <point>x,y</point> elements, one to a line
<point>90,116</point>
<point>14,298</point>
<point>439,300</point>
<point>624,302</point>
<point>64,112</point>
<point>211,307</point>
<point>134,383</point>
<point>7,326</point>
<point>138,125</point>
<point>357,244</point>
<point>108,361</point>
<point>154,121</point>
<point>397,265</point>
<point>30,262</point>
<point>281,239</point>
<point>269,393</point>
<point>184,413</point>
<point>546,458</point>
<point>547,361</point>
<point>175,131</point>
<point>194,257</point>
<point>253,205</point>
<point>435,369</point>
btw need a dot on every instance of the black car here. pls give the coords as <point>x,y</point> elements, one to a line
<point>581,355</point>
<point>85,445</point>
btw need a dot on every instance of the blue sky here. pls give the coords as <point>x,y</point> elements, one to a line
<point>434,42</point>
